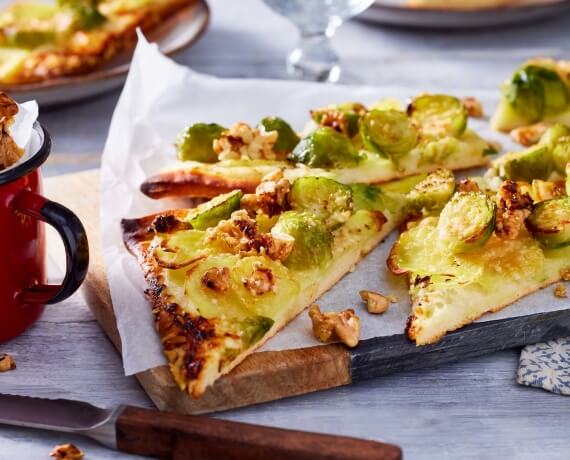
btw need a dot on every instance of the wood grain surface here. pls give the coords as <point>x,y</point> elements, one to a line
<point>263,376</point>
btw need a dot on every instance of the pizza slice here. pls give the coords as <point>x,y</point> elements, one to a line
<point>226,276</point>
<point>486,250</point>
<point>41,41</point>
<point>348,143</point>
<point>538,92</point>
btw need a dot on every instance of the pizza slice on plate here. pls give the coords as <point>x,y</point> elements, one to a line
<point>487,249</point>
<point>538,92</point>
<point>41,41</point>
<point>349,143</point>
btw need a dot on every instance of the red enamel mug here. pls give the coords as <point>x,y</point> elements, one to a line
<point>24,291</point>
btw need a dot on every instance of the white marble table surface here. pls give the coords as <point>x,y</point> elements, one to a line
<point>472,409</point>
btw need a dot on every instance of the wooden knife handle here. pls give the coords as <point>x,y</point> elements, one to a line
<point>174,436</point>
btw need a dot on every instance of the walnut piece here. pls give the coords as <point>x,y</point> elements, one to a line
<point>242,142</point>
<point>565,274</point>
<point>10,153</point>
<point>336,119</point>
<point>474,107</point>
<point>344,325</point>
<point>261,280</point>
<point>375,302</point>
<point>216,279</point>
<point>528,135</point>
<point>513,207</point>
<point>270,196</point>
<point>7,363</point>
<point>468,185</point>
<point>560,291</point>
<point>239,235</point>
<point>67,452</point>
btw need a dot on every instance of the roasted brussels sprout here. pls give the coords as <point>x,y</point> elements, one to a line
<point>439,114</point>
<point>328,199</point>
<point>287,138</point>
<point>568,179</point>
<point>549,222</point>
<point>27,25</point>
<point>210,213</point>
<point>344,118</point>
<point>254,328</point>
<point>86,14</point>
<point>196,142</point>
<point>554,134</point>
<point>326,148</point>
<point>388,132</point>
<point>561,155</point>
<point>533,163</point>
<point>467,221</point>
<point>431,194</point>
<point>534,91</point>
<point>313,240</point>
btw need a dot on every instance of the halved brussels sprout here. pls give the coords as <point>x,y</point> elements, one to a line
<point>532,163</point>
<point>555,91</point>
<point>351,113</point>
<point>287,138</point>
<point>549,222</point>
<point>209,214</point>
<point>254,328</point>
<point>439,114</point>
<point>431,194</point>
<point>467,221</point>
<point>388,103</point>
<point>326,148</point>
<point>196,142</point>
<point>568,179</point>
<point>313,240</point>
<point>388,132</point>
<point>561,155</point>
<point>86,14</point>
<point>554,134</point>
<point>327,199</point>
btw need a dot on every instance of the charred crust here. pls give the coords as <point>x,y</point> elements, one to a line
<point>140,230</point>
<point>169,224</point>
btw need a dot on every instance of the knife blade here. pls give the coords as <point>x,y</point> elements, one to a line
<point>176,436</point>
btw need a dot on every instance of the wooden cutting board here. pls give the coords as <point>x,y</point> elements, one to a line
<point>267,376</point>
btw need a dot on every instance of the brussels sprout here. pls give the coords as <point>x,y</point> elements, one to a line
<point>549,222</point>
<point>388,132</point>
<point>467,221</point>
<point>210,213</point>
<point>532,163</point>
<point>287,138</point>
<point>568,179</point>
<point>326,148</point>
<point>85,13</point>
<point>561,155</point>
<point>555,91</point>
<point>439,114</point>
<point>327,199</point>
<point>28,25</point>
<point>373,198</point>
<point>431,194</point>
<point>313,241</point>
<point>345,117</point>
<point>553,134</point>
<point>196,142</point>
<point>253,329</point>
<point>388,103</point>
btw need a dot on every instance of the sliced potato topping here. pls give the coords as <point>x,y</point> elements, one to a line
<point>344,326</point>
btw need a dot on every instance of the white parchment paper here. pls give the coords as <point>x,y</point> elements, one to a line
<point>160,98</point>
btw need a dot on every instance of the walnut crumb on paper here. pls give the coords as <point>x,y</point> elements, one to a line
<point>565,274</point>
<point>474,107</point>
<point>343,325</point>
<point>7,363</point>
<point>560,291</point>
<point>67,452</point>
<point>376,303</point>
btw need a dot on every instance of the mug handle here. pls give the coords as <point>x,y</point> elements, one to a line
<point>74,238</point>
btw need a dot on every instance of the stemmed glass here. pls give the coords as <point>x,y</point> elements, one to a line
<point>317,20</point>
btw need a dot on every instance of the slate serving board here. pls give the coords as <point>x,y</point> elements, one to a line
<point>271,375</point>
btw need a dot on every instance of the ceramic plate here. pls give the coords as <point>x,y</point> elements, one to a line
<point>174,34</point>
<point>394,12</point>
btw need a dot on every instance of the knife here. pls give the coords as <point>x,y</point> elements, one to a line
<point>174,436</point>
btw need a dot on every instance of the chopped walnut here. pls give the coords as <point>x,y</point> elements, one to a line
<point>337,119</point>
<point>375,302</point>
<point>560,291</point>
<point>7,363</point>
<point>261,280</point>
<point>270,195</point>
<point>344,325</point>
<point>528,135</point>
<point>242,141</point>
<point>468,185</point>
<point>473,106</point>
<point>240,235</point>
<point>10,153</point>
<point>565,274</point>
<point>67,452</point>
<point>513,207</point>
<point>217,279</point>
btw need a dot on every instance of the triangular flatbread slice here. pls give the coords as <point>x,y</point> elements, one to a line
<point>523,247</point>
<point>225,277</point>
